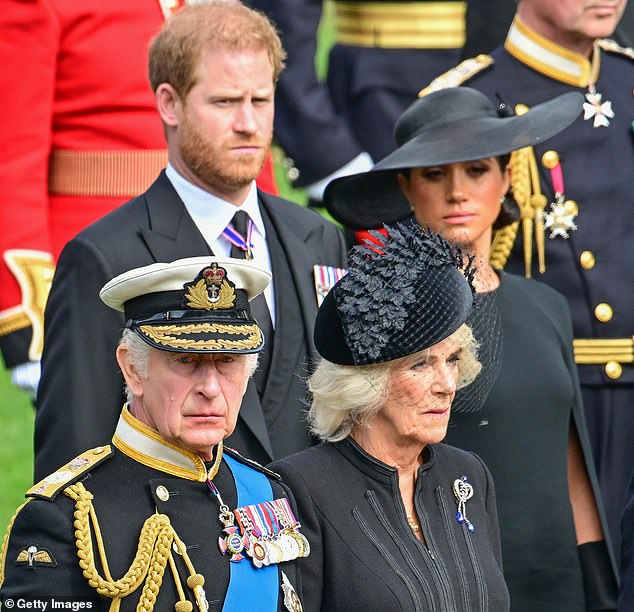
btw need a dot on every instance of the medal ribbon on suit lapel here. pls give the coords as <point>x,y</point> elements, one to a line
<point>325,278</point>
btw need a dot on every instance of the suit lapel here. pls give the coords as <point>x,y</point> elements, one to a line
<point>300,266</point>
<point>171,234</point>
<point>289,346</point>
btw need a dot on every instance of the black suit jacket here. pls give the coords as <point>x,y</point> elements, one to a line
<point>80,391</point>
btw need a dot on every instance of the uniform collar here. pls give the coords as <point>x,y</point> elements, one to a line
<point>547,57</point>
<point>144,444</point>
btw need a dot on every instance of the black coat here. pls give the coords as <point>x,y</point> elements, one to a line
<point>80,392</point>
<point>521,432</point>
<point>592,268</point>
<point>125,494</point>
<point>322,126</point>
<point>364,555</point>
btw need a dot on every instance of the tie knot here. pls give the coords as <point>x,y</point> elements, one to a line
<point>240,221</point>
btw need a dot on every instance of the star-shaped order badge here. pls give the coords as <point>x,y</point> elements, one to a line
<point>561,219</point>
<point>601,111</point>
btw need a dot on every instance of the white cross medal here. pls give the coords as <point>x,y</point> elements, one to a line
<point>601,111</point>
<point>561,218</point>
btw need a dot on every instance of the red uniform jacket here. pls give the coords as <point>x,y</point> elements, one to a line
<point>74,77</point>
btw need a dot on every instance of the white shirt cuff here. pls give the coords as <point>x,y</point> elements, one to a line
<point>361,163</point>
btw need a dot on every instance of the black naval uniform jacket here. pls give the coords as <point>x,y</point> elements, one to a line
<point>81,381</point>
<point>127,489</point>
<point>593,266</point>
<point>364,555</point>
<point>324,126</point>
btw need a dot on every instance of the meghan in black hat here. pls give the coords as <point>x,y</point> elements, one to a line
<point>396,519</point>
<point>450,173</point>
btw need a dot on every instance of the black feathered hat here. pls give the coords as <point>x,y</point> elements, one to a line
<point>400,296</point>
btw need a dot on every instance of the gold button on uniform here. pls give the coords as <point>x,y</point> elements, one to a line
<point>98,450</point>
<point>603,312</point>
<point>613,369</point>
<point>587,260</point>
<point>162,493</point>
<point>521,109</point>
<point>550,159</point>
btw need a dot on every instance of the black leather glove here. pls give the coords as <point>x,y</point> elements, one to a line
<point>599,581</point>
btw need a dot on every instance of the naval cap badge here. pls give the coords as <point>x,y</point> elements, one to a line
<point>210,290</point>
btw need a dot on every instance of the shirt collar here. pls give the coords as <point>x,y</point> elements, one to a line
<point>210,211</point>
<point>145,445</point>
<point>549,58</point>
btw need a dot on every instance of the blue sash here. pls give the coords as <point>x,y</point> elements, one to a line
<point>251,589</point>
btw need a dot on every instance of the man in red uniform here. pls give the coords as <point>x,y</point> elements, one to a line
<point>80,136</point>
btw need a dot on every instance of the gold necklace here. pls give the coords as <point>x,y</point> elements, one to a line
<point>412,523</point>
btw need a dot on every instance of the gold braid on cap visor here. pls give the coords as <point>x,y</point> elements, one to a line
<point>168,335</point>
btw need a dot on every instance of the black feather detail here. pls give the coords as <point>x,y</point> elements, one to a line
<point>375,297</point>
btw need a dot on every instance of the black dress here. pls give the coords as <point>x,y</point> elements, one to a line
<point>521,434</point>
<point>364,555</point>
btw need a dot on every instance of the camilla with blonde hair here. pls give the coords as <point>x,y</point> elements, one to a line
<point>344,397</point>
<point>395,519</point>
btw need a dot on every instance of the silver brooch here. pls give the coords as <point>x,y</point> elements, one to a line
<point>463,492</point>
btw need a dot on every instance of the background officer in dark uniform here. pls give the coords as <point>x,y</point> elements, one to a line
<point>382,53</point>
<point>164,515</point>
<point>577,201</point>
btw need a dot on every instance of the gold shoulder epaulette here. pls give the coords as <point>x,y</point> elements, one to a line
<point>49,487</point>
<point>252,464</point>
<point>458,75</point>
<point>607,44</point>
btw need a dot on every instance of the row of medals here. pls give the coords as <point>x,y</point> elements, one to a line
<point>286,545</point>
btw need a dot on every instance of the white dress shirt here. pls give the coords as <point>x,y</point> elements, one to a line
<point>212,215</point>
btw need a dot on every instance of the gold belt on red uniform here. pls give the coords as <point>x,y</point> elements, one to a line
<point>104,173</point>
<point>613,353</point>
<point>403,25</point>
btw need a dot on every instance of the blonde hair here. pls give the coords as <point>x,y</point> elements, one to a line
<point>344,396</point>
<point>176,50</point>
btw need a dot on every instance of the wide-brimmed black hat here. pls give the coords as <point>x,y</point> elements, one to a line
<point>193,305</point>
<point>452,125</point>
<point>403,295</point>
